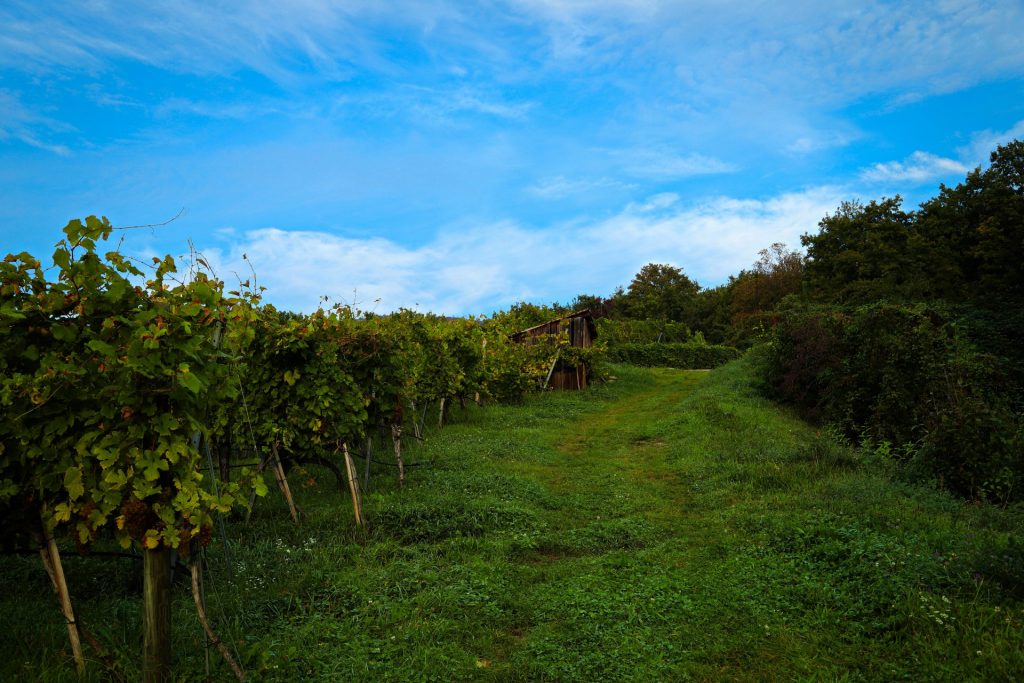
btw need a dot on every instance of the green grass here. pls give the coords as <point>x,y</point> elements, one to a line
<point>671,525</point>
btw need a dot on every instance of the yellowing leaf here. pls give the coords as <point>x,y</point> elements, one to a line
<point>151,540</point>
<point>62,512</point>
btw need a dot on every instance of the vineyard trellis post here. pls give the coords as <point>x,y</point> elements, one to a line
<point>156,622</point>
<point>353,486</point>
<point>282,483</point>
<point>55,569</point>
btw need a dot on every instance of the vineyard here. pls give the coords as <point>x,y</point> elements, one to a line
<point>145,404</point>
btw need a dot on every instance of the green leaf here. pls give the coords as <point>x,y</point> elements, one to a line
<point>116,479</point>
<point>151,470</point>
<point>61,258</point>
<point>73,482</point>
<point>260,486</point>
<point>190,382</point>
<point>63,332</point>
<point>100,346</point>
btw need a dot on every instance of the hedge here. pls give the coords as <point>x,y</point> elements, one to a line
<point>684,356</point>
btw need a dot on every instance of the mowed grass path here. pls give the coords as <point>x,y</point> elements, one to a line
<point>670,525</point>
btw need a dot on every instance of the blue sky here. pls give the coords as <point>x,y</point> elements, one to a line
<point>457,157</point>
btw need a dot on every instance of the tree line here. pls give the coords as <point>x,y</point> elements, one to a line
<point>902,328</point>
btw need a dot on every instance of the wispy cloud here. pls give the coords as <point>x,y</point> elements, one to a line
<point>18,122</point>
<point>919,167</point>
<point>661,165</point>
<point>475,269</point>
<point>560,187</point>
<point>924,167</point>
<point>984,142</point>
<point>177,106</point>
<point>817,142</point>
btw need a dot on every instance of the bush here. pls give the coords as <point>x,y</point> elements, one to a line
<point>629,331</point>
<point>683,356</point>
<point>904,376</point>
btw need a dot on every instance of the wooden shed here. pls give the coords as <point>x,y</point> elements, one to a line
<point>582,331</point>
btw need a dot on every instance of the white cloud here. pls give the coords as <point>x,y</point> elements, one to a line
<point>922,167</point>
<point>476,269</point>
<point>811,50</point>
<point>919,167</point>
<point>985,142</point>
<point>560,187</point>
<point>660,165</point>
<point>816,142</point>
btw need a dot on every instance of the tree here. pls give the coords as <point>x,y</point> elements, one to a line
<point>776,274</point>
<point>862,253</point>
<point>974,232</point>
<point>663,292</point>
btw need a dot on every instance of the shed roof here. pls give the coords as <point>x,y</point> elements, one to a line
<point>586,314</point>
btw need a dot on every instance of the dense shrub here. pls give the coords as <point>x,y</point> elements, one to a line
<point>683,356</point>
<point>907,378</point>
<point>629,331</point>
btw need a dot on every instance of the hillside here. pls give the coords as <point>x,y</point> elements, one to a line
<point>670,525</point>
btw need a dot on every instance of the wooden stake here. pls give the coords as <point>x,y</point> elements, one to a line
<point>282,482</point>
<point>396,438</point>
<point>353,486</point>
<point>369,458</point>
<point>156,615</point>
<point>53,566</point>
<point>440,415</point>
<point>217,642</point>
<point>552,370</point>
<point>415,425</point>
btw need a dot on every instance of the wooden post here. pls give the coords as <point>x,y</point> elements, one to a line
<point>282,482</point>
<point>440,415</point>
<point>415,425</point>
<point>54,568</point>
<point>224,460</point>
<point>353,486</point>
<point>201,611</point>
<point>368,451</point>
<point>156,615</point>
<point>552,370</point>
<point>396,438</point>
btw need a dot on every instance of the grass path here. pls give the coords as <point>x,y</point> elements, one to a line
<point>618,493</point>
<point>610,456</point>
<point>670,526</point>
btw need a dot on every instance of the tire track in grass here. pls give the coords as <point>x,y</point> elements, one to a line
<point>619,494</point>
<point>620,454</point>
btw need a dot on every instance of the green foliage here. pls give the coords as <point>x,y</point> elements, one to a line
<point>660,291</point>
<point>105,384</point>
<point>754,294</point>
<point>862,253</point>
<point>298,394</point>
<point>941,383</point>
<point>903,375</point>
<point>961,246</point>
<point>665,526</point>
<point>109,379</point>
<point>613,331</point>
<point>686,356</point>
<point>523,315</point>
